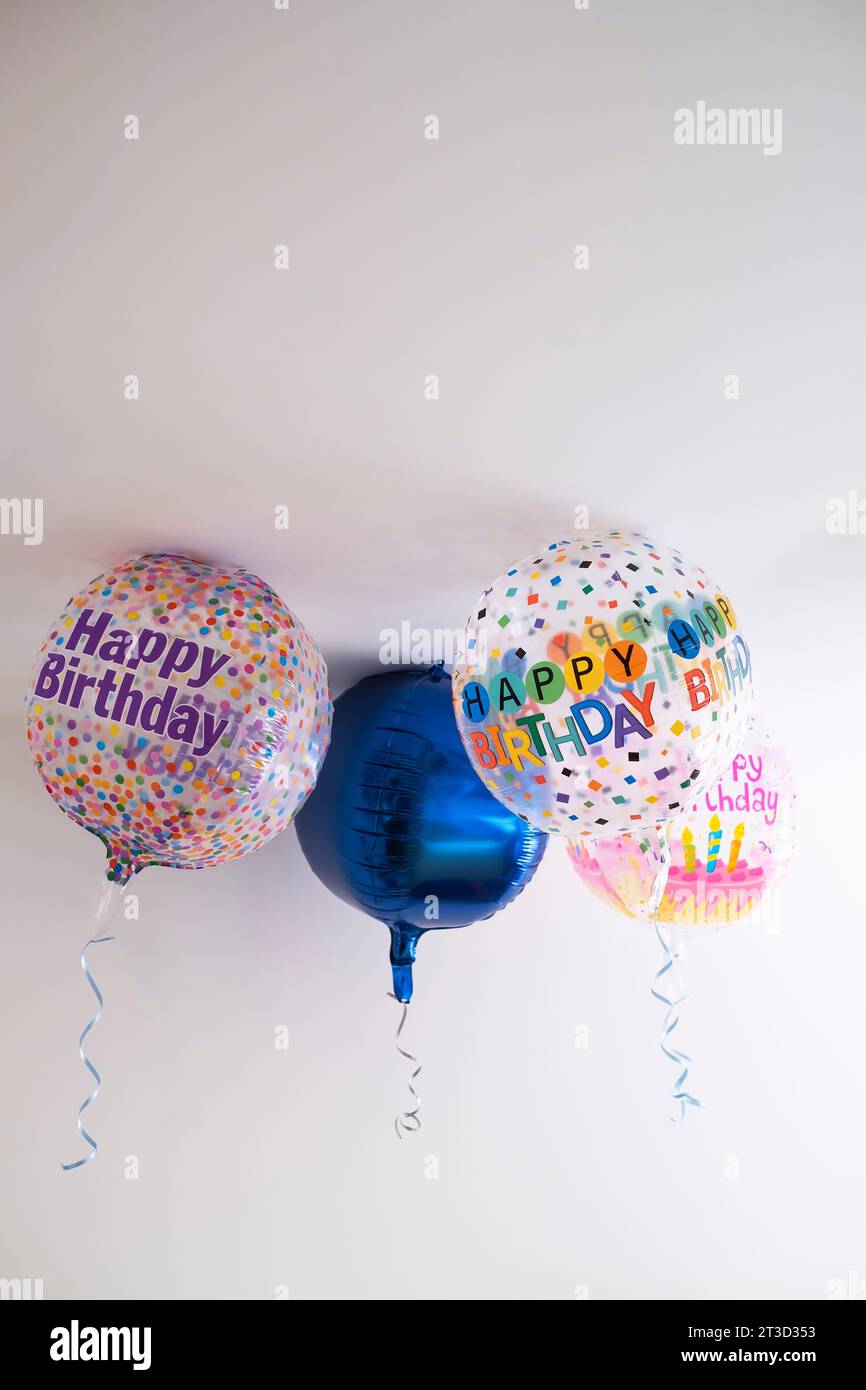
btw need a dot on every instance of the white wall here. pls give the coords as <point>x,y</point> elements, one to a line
<point>558,1167</point>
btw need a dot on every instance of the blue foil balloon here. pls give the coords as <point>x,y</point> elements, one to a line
<point>399,823</point>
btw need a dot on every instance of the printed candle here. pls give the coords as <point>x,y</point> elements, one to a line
<point>749,845</point>
<point>739,832</point>
<point>689,850</point>
<point>714,843</point>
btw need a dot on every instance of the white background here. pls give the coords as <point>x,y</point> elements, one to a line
<point>559,1169</point>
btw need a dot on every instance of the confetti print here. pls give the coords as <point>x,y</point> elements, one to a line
<point>178,711</point>
<point>606,685</point>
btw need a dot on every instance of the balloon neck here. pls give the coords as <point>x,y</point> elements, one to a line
<point>122,862</point>
<point>404,943</point>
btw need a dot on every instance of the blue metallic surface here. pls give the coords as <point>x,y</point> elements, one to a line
<point>399,822</point>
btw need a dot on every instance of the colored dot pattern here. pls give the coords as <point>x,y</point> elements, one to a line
<point>587,596</point>
<point>149,799</point>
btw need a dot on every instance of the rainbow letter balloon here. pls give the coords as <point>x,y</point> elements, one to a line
<point>605,685</point>
<point>180,712</point>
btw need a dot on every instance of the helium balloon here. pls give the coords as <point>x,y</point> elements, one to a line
<point>399,825</point>
<point>728,855</point>
<point>178,711</point>
<point>605,685</point>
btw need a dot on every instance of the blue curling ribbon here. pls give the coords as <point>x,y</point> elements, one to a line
<point>409,1122</point>
<point>79,1163</point>
<point>672,1018</point>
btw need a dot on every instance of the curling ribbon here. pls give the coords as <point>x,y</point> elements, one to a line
<point>410,1121</point>
<point>672,1018</point>
<point>109,897</point>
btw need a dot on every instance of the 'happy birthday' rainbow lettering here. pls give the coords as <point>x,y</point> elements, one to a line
<point>610,698</point>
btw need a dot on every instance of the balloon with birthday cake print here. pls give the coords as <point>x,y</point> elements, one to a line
<point>728,853</point>
<point>605,685</point>
<point>179,711</point>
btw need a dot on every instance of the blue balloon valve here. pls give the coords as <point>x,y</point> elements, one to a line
<point>402,978</point>
<point>404,942</point>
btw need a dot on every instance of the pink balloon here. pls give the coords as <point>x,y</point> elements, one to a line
<point>728,854</point>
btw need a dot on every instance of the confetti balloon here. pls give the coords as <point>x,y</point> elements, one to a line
<point>606,684</point>
<point>728,854</point>
<point>401,828</point>
<point>180,712</point>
